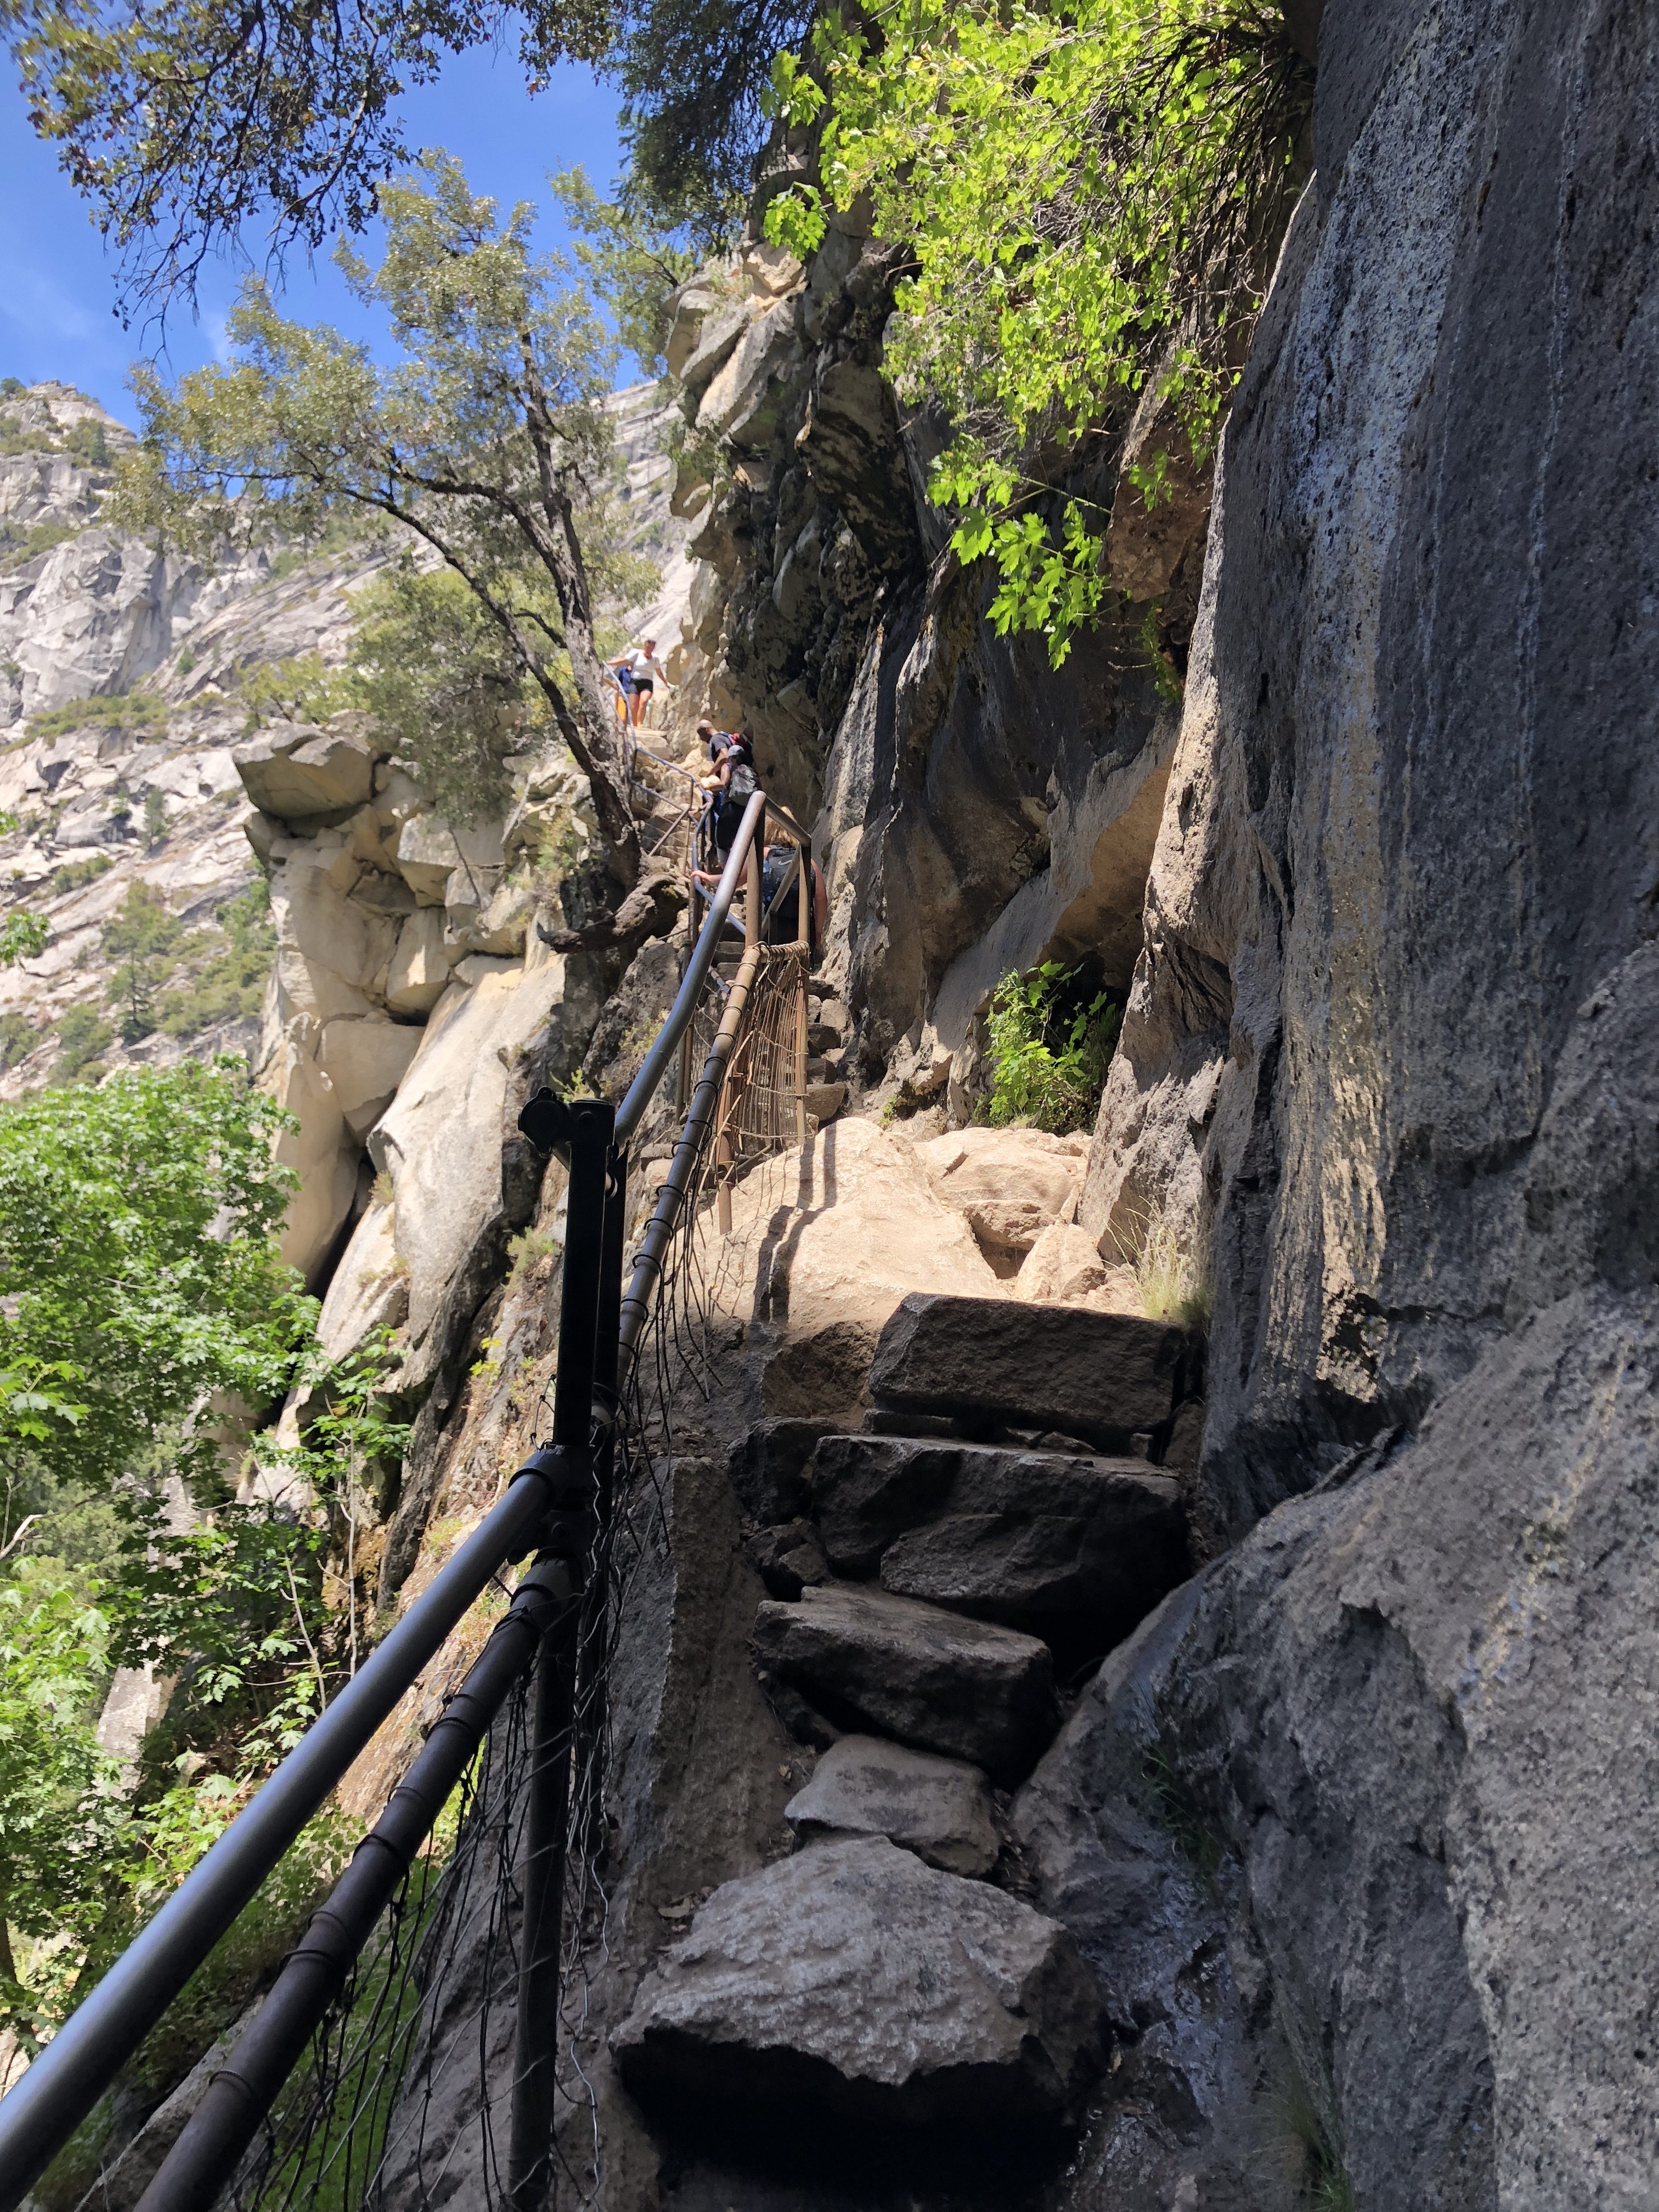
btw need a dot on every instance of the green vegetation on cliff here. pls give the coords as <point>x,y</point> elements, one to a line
<point>487,438</point>
<point>1089,196</point>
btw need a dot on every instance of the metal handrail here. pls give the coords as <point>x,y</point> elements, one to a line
<point>643,1089</point>
<point>42,2111</point>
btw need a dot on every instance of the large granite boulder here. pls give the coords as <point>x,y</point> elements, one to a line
<point>297,772</point>
<point>854,1978</point>
<point>1104,1376</point>
<point>929,1677</point>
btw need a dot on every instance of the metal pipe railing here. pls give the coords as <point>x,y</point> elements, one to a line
<point>643,1089</point>
<point>39,2114</point>
<point>211,2144</point>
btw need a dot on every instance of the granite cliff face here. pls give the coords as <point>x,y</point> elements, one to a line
<point>1355,1832</point>
<point>1327,1882</point>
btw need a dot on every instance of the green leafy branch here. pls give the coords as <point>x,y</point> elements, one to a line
<point>1089,196</point>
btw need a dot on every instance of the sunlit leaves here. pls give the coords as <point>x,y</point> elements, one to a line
<point>1087,193</point>
<point>137,1262</point>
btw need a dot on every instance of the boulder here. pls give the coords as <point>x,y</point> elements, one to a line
<point>297,773</point>
<point>365,1061</point>
<point>854,1978</point>
<point>1010,1184</point>
<point>824,1101</point>
<point>440,1139</point>
<point>1064,1267</point>
<point>419,972</point>
<point>915,1672</point>
<point>1105,1376</point>
<point>1031,1537</point>
<point>940,1808</point>
<point>863,1226</point>
<point>429,851</point>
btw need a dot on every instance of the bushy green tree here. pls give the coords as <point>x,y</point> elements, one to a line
<point>137,1226</point>
<point>139,940</point>
<point>1089,195</point>
<point>443,685</point>
<point>486,437</point>
<point>62,1822</point>
<point>632,262</point>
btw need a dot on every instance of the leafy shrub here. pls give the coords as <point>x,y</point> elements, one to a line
<point>86,443</point>
<point>139,713</point>
<point>302,690</point>
<point>1050,1047</point>
<point>222,970</point>
<point>59,1820</point>
<point>23,936</point>
<point>76,875</point>
<point>82,1035</point>
<point>18,1037</point>
<point>18,547</point>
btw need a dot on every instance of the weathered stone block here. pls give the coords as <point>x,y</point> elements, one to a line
<point>1032,1538</point>
<point>940,1808</point>
<point>854,1977</point>
<point>1100,1376</point>
<point>915,1672</point>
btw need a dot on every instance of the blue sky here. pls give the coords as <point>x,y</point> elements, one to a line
<point>57,284</point>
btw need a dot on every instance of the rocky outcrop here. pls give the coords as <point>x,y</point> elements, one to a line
<point>1388,1057</point>
<point>973,811</point>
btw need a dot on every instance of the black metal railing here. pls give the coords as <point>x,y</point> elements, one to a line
<point>558,1506</point>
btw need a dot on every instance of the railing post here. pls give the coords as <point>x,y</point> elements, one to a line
<point>586,1126</point>
<point>804,948</point>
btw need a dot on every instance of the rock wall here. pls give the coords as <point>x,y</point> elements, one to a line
<point>973,810</point>
<point>1389,1059</point>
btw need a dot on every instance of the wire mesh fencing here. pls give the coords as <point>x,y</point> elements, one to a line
<point>401,2102</point>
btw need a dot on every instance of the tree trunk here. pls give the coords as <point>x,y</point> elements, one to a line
<point>601,753</point>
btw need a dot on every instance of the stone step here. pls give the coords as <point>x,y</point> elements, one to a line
<point>1105,1377</point>
<point>868,1661</point>
<point>940,1808</point>
<point>852,1977</point>
<point>1032,1539</point>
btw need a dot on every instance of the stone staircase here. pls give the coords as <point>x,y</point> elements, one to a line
<point>940,1582</point>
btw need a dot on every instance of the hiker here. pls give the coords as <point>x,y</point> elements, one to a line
<point>638,674</point>
<point>780,893</point>
<point>734,786</point>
